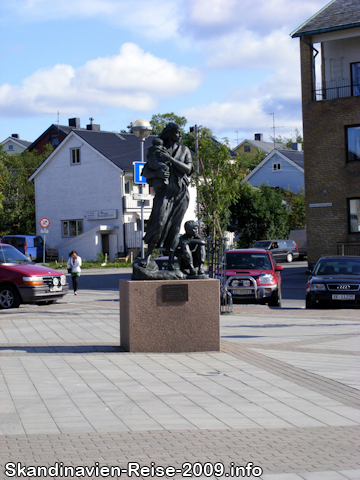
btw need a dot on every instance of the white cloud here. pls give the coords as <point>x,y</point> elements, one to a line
<point>247,109</point>
<point>213,18</point>
<point>246,50</point>
<point>133,79</point>
<point>156,19</point>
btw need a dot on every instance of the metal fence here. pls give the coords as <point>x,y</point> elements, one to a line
<point>348,248</point>
<point>336,89</point>
<point>216,259</point>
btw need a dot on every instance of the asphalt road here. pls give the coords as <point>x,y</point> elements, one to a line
<point>293,281</point>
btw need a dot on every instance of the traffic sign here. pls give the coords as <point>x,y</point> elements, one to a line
<point>138,178</point>
<point>43,230</point>
<point>142,196</point>
<point>44,222</point>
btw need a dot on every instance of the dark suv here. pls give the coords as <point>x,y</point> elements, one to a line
<point>282,250</point>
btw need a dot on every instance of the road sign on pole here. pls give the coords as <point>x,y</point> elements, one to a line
<point>138,178</point>
<point>44,222</point>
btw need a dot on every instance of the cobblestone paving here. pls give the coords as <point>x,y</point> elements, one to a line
<point>283,394</point>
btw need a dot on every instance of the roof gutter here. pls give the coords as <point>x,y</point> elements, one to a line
<point>325,30</point>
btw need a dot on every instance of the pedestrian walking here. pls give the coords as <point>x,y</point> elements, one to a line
<point>73,266</point>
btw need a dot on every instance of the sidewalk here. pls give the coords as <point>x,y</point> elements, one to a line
<point>283,394</point>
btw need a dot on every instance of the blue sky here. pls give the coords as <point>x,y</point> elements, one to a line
<point>222,64</point>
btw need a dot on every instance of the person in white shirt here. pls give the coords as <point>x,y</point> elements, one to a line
<point>73,266</point>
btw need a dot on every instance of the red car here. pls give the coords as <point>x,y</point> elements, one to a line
<point>22,281</point>
<point>252,274</point>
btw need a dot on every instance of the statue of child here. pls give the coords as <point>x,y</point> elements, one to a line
<point>154,163</point>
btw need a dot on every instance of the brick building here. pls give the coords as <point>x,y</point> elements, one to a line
<point>330,78</point>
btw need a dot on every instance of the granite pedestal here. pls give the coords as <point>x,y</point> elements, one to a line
<point>170,316</point>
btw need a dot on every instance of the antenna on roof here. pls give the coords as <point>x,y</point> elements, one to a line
<point>58,118</point>
<point>273,127</point>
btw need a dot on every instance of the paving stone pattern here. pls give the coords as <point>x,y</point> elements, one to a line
<point>282,393</point>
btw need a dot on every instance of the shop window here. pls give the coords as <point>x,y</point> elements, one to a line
<point>70,228</point>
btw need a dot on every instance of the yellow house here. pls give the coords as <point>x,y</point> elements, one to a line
<point>250,147</point>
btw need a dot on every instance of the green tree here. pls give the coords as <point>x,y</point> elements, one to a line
<point>18,212</point>
<point>296,209</point>
<point>259,214</point>
<point>217,177</point>
<point>159,121</point>
<point>287,142</point>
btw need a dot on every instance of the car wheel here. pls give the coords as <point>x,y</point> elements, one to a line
<point>275,300</point>
<point>289,257</point>
<point>309,303</point>
<point>9,297</point>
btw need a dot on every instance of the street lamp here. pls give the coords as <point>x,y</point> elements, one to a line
<point>141,129</point>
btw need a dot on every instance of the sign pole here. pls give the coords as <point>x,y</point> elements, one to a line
<point>142,204</point>
<point>44,258</point>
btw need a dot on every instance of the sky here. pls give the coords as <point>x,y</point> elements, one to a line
<point>229,65</point>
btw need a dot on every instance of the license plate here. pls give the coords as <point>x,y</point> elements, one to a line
<point>242,291</point>
<point>56,289</point>
<point>343,297</point>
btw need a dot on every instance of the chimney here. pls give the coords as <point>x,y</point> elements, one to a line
<point>74,122</point>
<point>258,136</point>
<point>297,147</point>
<point>93,126</point>
<point>15,135</point>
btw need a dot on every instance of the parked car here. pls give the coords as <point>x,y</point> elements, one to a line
<point>252,274</point>
<point>299,237</point>
<point>22,281</point>
<point>334,282</point>
<point>282,250</point>
<point>32,246</point>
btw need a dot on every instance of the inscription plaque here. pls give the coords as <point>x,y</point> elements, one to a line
<point>175,293</point>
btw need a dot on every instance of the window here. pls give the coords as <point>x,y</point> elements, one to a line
<point>353,144</point>
<point>75,156</point>
<point>11,147</point>
<point>354,215</point>
<point>276,167</point>
<point>247,148</point>
<point>127,188</point>
<point>54,139</point>
<point>70,228</point>
<point>355,79</point>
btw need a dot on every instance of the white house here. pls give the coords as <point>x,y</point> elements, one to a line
<point>281,168</point>
<point>85,189</point>
<point>14,144</point>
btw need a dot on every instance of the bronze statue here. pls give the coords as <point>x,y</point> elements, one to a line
<point>171,201</point>
<point>191,250</point>
<point>167,171</point>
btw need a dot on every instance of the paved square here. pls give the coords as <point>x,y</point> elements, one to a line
<point>281,396</point>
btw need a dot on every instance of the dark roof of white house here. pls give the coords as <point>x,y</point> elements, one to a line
<point>120,148</point>
<point>294,155</point>
<point>336,15</point>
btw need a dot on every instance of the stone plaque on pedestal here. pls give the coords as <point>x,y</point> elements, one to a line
<point>164,316</point>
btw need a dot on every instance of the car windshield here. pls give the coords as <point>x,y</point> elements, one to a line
<point>9,254</point>
<point>341,266</point>
<point>247,260</point>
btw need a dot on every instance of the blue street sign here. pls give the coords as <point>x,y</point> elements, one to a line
<point>138,167</point>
